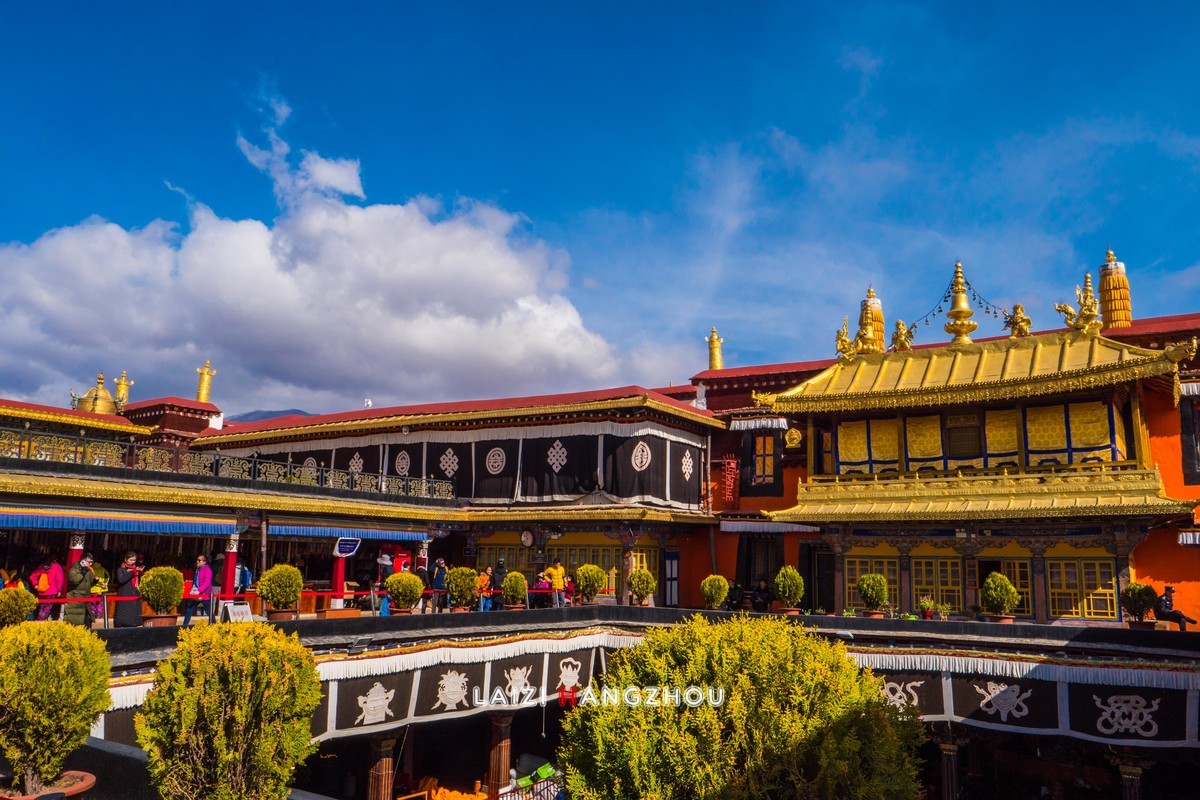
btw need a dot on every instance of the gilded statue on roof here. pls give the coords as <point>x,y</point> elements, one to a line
<point>1018,322</point>
<point>902,337</point>
<point>1087,320</point>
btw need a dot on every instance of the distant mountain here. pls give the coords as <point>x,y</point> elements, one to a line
<point>255,416</point>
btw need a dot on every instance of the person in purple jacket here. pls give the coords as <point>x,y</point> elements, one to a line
<point>202,581</point>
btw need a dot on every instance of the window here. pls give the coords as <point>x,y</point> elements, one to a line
<point>964,439</point>
<point>764,460</point>
<point>939,578</point>
<point>1083,587</point>
<point>887,567</point>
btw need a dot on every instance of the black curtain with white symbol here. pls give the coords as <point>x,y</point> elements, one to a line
<point>684,467</point>
<point>450,462</point>
<point>496,469</point>
<point>635,467</point>
<point>564,465</point>
<point>404,460</point>
<point>357,459</point>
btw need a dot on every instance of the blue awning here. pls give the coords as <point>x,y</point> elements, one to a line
<point>352,533</point>
<point>113,522</point>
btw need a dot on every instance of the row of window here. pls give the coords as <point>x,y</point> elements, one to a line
<point>1076,587</point>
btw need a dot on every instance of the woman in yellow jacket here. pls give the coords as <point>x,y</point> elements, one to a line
<point>556,575</point>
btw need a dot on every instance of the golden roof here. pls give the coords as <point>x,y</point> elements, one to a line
<point>1004,369</point>
<point>1092,492</point>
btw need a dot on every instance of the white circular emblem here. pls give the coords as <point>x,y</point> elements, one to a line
<point>641,456</point>
<point>403,463</point>
<point>494,461</point>
<point>310,463</point>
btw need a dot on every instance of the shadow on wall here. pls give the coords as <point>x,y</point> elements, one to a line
<point>120,772</point>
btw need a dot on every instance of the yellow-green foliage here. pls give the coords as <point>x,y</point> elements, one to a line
<point>404,589</point>
<point>789,586</point>
<point>461,583</point>
<point>16,604</point>
<point>715,589</point>
<point>589,580</point>
<point>281,586</point>
<point>873,589</point>
<point>799,720</point>
<point>515,588</point>
<point>229,715</point>
<point>642,584</point>
<point>53,685</point>
<point>161,588</point>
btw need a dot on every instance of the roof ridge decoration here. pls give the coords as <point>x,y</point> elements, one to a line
<point>1004,369</point>
<point>868,339</point>
<point>960,325</point>
<point>1087,320</point>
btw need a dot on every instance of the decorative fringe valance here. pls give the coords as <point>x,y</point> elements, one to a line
<point>759,424</point>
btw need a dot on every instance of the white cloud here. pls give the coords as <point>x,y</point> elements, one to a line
<point>329,303</point>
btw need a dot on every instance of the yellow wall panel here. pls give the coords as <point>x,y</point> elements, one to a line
<point>1001,431</point>
<point>852,441</point>
<point>924,437</point>
<point>884,444</point>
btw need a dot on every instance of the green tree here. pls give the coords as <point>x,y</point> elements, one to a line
<point>229,715</point>
<point>799,720</point>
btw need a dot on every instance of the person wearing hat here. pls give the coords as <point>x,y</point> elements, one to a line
<point>1165,609</point>
<point>80,580</point>
<point>556,575</point>
<point>498,576</point>
<point>438,579</point>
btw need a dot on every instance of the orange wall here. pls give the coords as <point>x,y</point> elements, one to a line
<point>695,563</point>
<point>1162,423</point>
<point>1161,561</point>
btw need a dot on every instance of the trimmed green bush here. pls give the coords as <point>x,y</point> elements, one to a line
<point>873,589</point>
<point>642,585</point>
<point>53,685</point>
<point>162,589</point>
<point>715,589</point>
<point>998,595</point>
<point>404,589</point>
<point>589,580</point>
<point>461,584</point>
<point>229,715</point>
<point>799,719</point>
<point>515,588</point>
<point>926,603</point>
<point>789,587</point>
<point>281,586</point>
<point>1137,600</point>
<point>16,604</point>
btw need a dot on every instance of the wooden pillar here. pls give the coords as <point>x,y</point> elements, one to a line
<point>337,584</point>
<point>810,449</point>
<point>228,571</point>
<point>499,752</point>
<point>379,780</point>
<point>1037,577</point>
<point>950,788</point>
<point>1130,767</point>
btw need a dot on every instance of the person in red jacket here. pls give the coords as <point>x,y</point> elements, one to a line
<point>48,581</point>
<point>202,583</point>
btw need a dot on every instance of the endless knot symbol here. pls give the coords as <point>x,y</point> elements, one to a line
<point>356,463</point>
<point>449,462</point>
<point>687,465</point>
<point>556,457</point>
<point>403,463</point>
<point>494,461</point>
<point>1005,699</point>
<point>1126,712</point>
<point>641,457</point>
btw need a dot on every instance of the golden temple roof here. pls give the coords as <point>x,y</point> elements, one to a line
<point>1005,369</point>
<point>1090,492</point>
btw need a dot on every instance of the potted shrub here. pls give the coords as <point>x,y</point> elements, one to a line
<point>16,604</point>
<point>715,589</point>
<point>589,580</point>
<point>515,589</point>
<point>229,714</point>
<point>926,606</point>
<point>1137,600</point>
<point>53,686</point>
<point>460,585</point>
<point>280,586</point>
<point>943,611</point>
<point>873,589</point>
<point>999,597</point>
<point>404,589</point>
<point>789,588</point>
<point>642,585</point>
<point>161,588</point>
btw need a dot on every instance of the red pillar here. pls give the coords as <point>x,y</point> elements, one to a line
<point>500,752</point>
<point>379,780</point>
<point>75,548</point>
<point>338,584</point>
<point>229,570</point>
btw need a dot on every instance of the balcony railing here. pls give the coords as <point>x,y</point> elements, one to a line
<point>107,457</point>
<point>970,472</point>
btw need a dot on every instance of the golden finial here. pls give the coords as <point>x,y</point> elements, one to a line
<point>1116,305</point>
<point>715,359</point>
<point>206,376</point>
<point>871,316</point>
<point>97,399</point>
<point>960,325</point>
<point>1111,258</point>
<point>123,383</point>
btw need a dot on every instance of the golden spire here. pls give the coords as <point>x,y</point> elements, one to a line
<point>872,307</point>
<point>1115,303</point>
<point>715,360</point>
<point>960,313</point>
<point>123,383</point>
<point>206,376</point>
<point>97,400</point>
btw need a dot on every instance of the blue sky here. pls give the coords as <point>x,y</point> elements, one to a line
<point>416,202</point>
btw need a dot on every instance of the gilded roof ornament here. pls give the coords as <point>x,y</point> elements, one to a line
<point>97,399</point>
<point>1018,322</point>
<point>902,337</point>
<point>715,359</point>
<point>1180,351</point>
<point>1116,305</point>
<point>205,387</point>
<point>960,325</point>
<point>1087,320</point>
<point>122,383</point>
